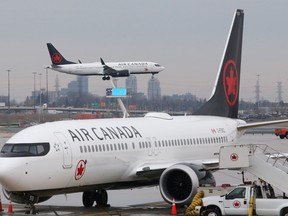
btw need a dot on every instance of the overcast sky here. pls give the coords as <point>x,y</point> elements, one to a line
<point>187,37</point>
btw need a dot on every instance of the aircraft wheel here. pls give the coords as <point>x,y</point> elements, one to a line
<point>101,198</point>
<point>88,198</point>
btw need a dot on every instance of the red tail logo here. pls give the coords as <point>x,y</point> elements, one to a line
<point>230,82</point>
<point>56,58</point>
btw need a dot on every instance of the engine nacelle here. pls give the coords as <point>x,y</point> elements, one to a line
<point>120,73</point>
<point>23,198</point>
<point>180,182</point>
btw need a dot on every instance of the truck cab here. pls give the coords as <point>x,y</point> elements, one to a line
<point>235,202</point>
<point>244,199</point>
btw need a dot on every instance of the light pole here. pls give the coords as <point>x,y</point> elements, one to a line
<point>47,100</point>
<point>34,92</point>
<point>40,74</point>
<point>8,90</point>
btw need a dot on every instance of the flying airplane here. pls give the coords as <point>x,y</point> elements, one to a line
<point>111,69</point>
<point>93,156</point>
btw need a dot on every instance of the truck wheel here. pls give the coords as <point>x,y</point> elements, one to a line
<point>284,212</point>
<point>211,212</point>
<point>281,136</point>
<point>286,135</point>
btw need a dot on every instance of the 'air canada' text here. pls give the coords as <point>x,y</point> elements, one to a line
<point>104,133</point>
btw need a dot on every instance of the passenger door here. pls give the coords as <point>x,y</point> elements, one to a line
<point>66,149</point>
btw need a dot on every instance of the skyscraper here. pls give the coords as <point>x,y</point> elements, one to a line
<point>154,90</point>
<point>131,84</point>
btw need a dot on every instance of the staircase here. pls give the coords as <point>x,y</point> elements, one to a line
<point>260,160</point>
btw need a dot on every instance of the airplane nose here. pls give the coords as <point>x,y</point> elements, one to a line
<point>9,174</point>
<point>162,68</point>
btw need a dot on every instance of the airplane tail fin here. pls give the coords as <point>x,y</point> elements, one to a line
<point>225,96</point>
<point>56,57</point>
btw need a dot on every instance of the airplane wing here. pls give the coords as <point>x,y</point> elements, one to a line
<point>155,170</point>
<point>106,69</point>
<point>112,72</point>
<point>259,124</point>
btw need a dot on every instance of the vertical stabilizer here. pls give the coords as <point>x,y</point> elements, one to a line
<point>225,96</point>
<point>56,57</point>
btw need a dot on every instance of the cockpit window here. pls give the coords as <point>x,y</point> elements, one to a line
<point>24,150</point>
<point>157,65</point>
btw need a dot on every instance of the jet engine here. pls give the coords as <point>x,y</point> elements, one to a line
<point>180,182</point>
<point>120,73</point>
<point>23,198</point>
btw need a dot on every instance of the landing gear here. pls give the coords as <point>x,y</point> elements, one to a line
<point>106,78</point>
<point>31,209</point>
<point>100,196</point>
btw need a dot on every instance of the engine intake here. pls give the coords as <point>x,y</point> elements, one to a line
<point>180,182</point>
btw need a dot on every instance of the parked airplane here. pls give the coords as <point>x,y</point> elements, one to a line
<point>93,156</point>
<point>113,69</point>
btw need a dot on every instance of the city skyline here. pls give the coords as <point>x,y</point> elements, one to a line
<point>186,37</point>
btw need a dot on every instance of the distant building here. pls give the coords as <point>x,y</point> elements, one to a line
<point>154,90</point>
<point>79,86</point>
<point>131,84</point>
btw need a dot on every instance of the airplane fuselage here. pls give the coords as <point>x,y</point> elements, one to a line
<point>96,68</point>
<point>109,153</point>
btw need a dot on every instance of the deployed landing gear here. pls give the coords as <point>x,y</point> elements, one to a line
<point>31,209</point>
<point>100,196</point>
<point>106,78</point>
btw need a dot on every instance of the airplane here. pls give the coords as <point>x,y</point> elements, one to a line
<point>93,156</point>
<point>111,69</point>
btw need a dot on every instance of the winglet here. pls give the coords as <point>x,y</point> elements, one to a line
<point>102,62</point>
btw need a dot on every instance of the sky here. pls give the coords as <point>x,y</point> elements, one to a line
<point>187,37</point>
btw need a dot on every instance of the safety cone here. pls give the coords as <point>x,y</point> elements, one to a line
<point>173,210</point>
<point>1,208</point>
<point>10,208</point>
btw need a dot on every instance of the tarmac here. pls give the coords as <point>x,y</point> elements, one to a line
<point>140,202</point>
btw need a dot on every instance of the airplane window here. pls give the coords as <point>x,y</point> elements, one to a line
<point>81,149</point>
<point>100,149</point>
<point>111,147</point>
<point>24,150</point>
<point>107,147</point>
<point>115,147</point>
<point>96,147</point>
<point>103,147</point>
<point>92,148</point>
<point>119,148</point>
<point>133,145</point>
<point>126,147</point>
<point>184,142</point>
<point>122,146</point>
<point>89,149</point>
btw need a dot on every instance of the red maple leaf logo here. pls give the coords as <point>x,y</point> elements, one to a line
<point>56,58</point>
<point>230,82</point>
<point>80,169</point>
<point>234,157</point>
<point>236,204</point>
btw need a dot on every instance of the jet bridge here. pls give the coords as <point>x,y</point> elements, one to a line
<point>260,160</point>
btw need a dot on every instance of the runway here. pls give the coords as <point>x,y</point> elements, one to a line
<point>146,201</point>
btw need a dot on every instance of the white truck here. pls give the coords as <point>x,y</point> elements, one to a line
<point>244,200</point>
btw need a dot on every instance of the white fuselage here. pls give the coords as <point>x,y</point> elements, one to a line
<point>112,152</point>
<point>96,68</point>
